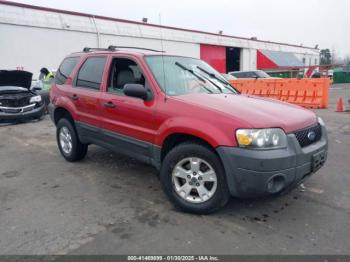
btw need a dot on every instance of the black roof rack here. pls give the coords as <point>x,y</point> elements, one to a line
<point>133,47</point>
<point>89,49</point>
<point>115,48</point>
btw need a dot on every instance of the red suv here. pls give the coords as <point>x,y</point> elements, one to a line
<point>177,113</point>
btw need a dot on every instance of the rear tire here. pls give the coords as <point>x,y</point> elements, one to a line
<point>68,141</point>
<point>186,181</point>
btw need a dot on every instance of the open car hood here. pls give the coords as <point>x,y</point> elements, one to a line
<point>16,78</point>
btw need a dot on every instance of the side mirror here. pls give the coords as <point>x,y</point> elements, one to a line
<point>135,90</point>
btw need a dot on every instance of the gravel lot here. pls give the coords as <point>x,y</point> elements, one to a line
<point>111,204</point>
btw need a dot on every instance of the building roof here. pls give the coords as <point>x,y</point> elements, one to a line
<point>4,2</point>
<point>283,59</point>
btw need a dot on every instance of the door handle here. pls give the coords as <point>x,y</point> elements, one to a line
<point>74,97</point>
<point>109,104</point>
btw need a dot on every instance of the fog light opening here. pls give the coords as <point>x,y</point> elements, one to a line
<point>275,184</point>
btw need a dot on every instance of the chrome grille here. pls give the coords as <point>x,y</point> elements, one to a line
<point>15,110</point>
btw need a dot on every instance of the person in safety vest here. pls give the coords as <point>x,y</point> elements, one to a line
<point>42,87</point>
<point>45,74</point>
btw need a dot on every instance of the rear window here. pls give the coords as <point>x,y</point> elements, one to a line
<point>90,74</point>
<point>65,69</point>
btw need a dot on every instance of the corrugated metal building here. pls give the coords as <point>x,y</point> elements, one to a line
<point>32,37</point>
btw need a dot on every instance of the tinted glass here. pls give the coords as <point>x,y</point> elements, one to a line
<point>65,69</point>
<point>90,74</point>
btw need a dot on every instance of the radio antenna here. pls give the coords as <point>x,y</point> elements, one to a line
<point>162,46</point>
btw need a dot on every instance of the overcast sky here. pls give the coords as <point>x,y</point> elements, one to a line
<point>307,22</point>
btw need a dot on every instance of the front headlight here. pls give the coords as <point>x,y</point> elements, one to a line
<point>270,138</point>
<point>35,99</point>
<point>320,121</point>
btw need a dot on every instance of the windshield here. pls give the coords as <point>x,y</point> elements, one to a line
<point>184,75</point>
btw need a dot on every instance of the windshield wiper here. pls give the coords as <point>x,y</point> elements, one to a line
<point>212,75</point>
<point>190,70</point>
<point>193,73</point>
<point>214,84</point>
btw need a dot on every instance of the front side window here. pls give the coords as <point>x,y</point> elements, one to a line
<point>91,72</point>
<point>65,69</point>
<point>184,75</point>
<point>125,71</point>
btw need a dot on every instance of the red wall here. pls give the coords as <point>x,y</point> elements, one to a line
<point>214,56</point>
<point>263,62</point>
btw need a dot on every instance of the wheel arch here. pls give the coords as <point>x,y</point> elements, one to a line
<point>177,138</point>
<point>61,112</point>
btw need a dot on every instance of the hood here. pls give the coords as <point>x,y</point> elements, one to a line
<point>16,78</point>
<point>259,112</point>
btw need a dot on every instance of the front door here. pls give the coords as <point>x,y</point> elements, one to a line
<point>128,122</point>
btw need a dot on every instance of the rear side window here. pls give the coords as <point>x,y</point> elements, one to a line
<point>65,69</point>
<point>90,74</point>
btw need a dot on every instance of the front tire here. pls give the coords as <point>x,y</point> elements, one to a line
<point>193,178</point>
<point>68,141</point>
<point>41,117</point>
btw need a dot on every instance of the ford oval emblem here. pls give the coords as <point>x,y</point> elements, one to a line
<point>311,135</point>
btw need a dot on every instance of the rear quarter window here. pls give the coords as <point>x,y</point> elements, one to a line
<point>65,69</point>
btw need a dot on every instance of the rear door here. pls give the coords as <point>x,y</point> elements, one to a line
<point>128,122</point>
<point>86,94</point>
